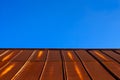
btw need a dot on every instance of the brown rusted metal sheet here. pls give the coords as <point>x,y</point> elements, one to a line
<point>59,64</point>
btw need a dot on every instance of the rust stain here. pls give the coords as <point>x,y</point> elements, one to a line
<point>23,67</point>
<point>7,70</point>
<point>78,71</point>
<point>70,55</point>
<point>100,55</point>
<point>39,54</point>
<point>8,56</point>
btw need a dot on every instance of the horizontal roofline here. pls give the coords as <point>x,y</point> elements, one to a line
<point>65,48</point>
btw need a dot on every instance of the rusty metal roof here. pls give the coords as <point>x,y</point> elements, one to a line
<point>59,64</point>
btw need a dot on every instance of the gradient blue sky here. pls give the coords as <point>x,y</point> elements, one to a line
<point>60,23</point>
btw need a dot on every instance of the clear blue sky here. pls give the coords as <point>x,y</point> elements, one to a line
<point>60,23</point>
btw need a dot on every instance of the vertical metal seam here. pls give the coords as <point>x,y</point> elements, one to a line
<point>82,64</point>
<point>116,52</point>
<point>109,56</point>
<point>111,73</point>
<point>45,62</point>
<point>63,67</point>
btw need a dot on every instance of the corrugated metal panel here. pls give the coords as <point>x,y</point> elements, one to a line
<point>59,64</point>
